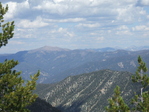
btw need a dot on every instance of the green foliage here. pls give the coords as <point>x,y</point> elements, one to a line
<point>7,28</point>
<point>15,93</point>
<point>116,103</point>
<point>141,106</point>
<point>140,75</point>
<point>140,101</point>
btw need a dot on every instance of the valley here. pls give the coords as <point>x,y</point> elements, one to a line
<point>78,80</point>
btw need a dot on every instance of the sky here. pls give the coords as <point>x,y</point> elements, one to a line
<point>77,24</point>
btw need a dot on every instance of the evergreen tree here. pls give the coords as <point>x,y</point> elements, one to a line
<point>141,101</point>
<point>116,103</point>
<point>6,28</point>
<point>15,93</point>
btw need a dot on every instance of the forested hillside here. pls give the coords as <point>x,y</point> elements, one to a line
<point>87,92</point>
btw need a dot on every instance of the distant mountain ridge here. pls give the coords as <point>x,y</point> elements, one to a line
<point>48,49</point>
<point>56,64</point>
<point>106,49</point>
<point>131,48</point>
<point>135,48</point>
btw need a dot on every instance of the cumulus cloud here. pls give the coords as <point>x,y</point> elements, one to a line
<point>123,27</point>
<point>10,14</point>
<point>74,21</point>
<point>145,2</point>
<point>61,33</point>
<point>88,25</point>
<point>66,20</point>
<point>123,10</point>
<point>37,23</point>
<point>15,8</point>
<point>83,7</point>
<point>16,42</point>
<point>140,28</point>
<point>45,34</point>
<point>99,38</point>
<point>126,32</point>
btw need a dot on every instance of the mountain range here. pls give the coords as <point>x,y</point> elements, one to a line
<point>56,63</point>
<point>79,80</point>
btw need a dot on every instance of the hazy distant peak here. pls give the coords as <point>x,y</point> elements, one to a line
<point>49,48</point>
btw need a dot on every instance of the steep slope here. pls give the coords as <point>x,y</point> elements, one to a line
<point>87,92</point>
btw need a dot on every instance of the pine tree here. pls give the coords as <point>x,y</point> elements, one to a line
<point>116,103</point>
<point>15,93</point>
<point>7,28</point>
<point>141,100</point>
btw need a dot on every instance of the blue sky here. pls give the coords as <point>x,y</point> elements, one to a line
<point>76,24</point>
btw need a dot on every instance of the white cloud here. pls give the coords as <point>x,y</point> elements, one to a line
<point>99,38</point>
<point>14,42</point>
<point>123,10</point>
<point>145,2</point>
<point>12,10</point>
<point>15,8</point>
<point>83,7</point>
<point>127,14</point>
<point>37,23</point>
<point>123,27</point>
<point>24,33</point>
<point>61,32</point>
<point>88,25</point>
<point>52,7</point>
<point>140,28</point>
<point>146,34</point>
<point>126,32</point>
<point>66,20</point>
